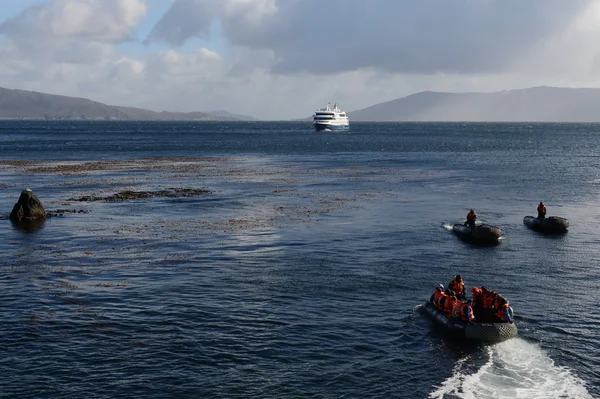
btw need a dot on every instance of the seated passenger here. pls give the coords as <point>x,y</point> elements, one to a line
<point>437,294</point>
<point>499,298</point>
<point>456,310</point>
<point>458,286</point>
<point>442,301</point>
<point>484,291</point>
<point>504,313</point>
<point>477,294</point>
<point>477,302</point>
<point>450,305</point>
<point>466,312</point>
<point>488,310</point>
<point>471,217</point>
<point>489,300</point>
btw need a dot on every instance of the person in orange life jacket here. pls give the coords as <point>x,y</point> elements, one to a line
<point>483,309</point>
<point>477,294</point>
<point>456,310</point>
<point>504,313</point>
<point>450,305</point>
<point>466,312</point>
<point>484,291</point>
<point>471,217</point>
<point>442,301</point>
<point>495,300</point>
<point>477,301</point>
<point>499,298</point>
<point>489,309</point>
<point>437,294</point>
<point>541,210</point>
<point>489,299</point>
<point>458,286</point>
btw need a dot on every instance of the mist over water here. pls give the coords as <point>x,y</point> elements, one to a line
<point>300,270</point>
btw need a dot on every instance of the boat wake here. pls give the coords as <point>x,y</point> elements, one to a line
<point>515,369</point>
<point>447,226</point>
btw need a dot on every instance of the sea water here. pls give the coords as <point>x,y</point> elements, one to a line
<point>300,271</point>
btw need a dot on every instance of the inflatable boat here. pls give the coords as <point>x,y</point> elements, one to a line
<point>487,332</point>
<point>551,224</point>
<point>481,233</point>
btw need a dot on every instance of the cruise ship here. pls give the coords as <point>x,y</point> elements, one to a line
<point>330,119</point>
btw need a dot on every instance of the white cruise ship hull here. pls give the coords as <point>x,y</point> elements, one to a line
<point>320,126</point>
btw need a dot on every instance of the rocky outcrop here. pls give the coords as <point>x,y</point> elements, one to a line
<point>134,195</point>
<point>28,208</point>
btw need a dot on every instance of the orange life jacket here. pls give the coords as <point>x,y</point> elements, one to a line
<point>450,305</point>
<point>477,293</point>
<point>497,300</point>
<point>541,208</point>
<point>442,302</point>
<point>458,288</point>
<point>456,309</point>
<point>488,300</point>
<point>437,295</point>
<point>471,216</point>
<point>463,312</point>
<point>500,314</point>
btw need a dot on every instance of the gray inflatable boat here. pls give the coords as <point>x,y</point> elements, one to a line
<point>550,225</point>
<point>487,332</point>
<point>481,233</point>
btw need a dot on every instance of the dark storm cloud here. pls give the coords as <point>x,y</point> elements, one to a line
<point>424,36</point>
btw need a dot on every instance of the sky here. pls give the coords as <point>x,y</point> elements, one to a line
<point>282,59</point>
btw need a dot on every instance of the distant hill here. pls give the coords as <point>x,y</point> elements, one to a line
<point>238,117</point>
<point>22,104</point>
<point>548,104</point>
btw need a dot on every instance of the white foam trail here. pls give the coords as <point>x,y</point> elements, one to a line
<point>515,369</point>
<point>447,226</point>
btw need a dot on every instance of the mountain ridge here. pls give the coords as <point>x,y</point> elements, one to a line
<point>535,104</point>
<point>25,104</point>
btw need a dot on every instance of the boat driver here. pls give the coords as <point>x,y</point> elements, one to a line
<point>541,210</point>
<point>471,217</point>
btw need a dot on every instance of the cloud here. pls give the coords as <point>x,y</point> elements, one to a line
<point>427,36</point>
<point>72,31</point>
<point>95,20</point>
<point>192,18</point>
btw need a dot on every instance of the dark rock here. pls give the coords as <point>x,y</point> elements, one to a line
<point>28,208</point>
<point>61,212</point>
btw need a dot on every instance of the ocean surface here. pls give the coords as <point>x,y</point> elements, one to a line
<point>266,260</point>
